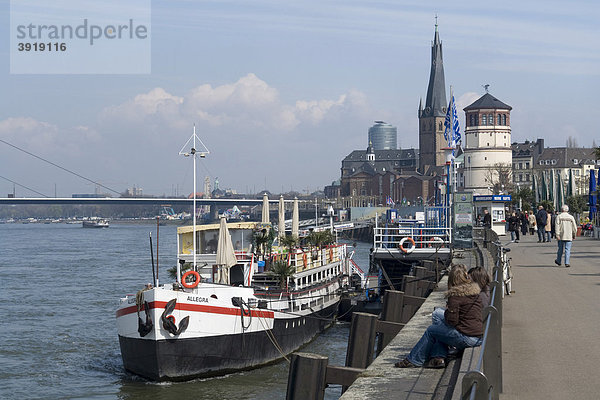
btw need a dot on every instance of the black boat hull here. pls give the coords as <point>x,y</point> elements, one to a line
<point>183,359</point>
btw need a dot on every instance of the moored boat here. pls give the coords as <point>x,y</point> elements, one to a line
<point>230,318</point>
<point>238,301</point>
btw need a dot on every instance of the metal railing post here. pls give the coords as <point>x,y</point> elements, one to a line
<point>492,357</point>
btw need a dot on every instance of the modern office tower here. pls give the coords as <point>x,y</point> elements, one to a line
<point>383,136</point>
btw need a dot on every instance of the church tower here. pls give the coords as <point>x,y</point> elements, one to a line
<point>431,118</point>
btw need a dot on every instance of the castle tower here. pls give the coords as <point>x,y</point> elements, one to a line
<point>431,118</point>
<point>487,145</point>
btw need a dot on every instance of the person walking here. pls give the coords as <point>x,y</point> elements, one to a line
<point>553,224</point>
<point>524,223</point>
<point>513,226</point>
<point>540,219</point>
<point>531,218</point>
<point>548,227</point>
<point>566,230</point>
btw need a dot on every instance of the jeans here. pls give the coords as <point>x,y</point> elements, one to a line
<point>435,342</point>
<point>548,236</point>
<point>541,234</point>
<point>566,244</point>
<point>513,233</point>
<point>438,315</point>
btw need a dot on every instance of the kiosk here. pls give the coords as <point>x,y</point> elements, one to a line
<point>495,206</point>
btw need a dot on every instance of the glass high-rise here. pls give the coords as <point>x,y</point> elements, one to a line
<point>383,136</point>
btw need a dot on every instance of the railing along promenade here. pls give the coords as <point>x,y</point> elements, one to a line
<point>479,370</point>
<point>484,379</point>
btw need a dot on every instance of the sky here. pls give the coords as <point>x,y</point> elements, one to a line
<point>281,91</point>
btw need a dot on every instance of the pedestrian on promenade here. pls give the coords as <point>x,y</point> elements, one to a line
<point>566,230</point>
<point>548,227</point>
<point>553,224</point>
<point>524,223</point>
<point>487,219</point>
<point>540,220</point>
<point>462,325</point>
<point>531,218</point>
<point>513,226</point>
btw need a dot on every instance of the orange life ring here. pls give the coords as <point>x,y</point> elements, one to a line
<point>331,253</point>
<point>404,249</point>
<point>305,259</point>
<point>193,284</point>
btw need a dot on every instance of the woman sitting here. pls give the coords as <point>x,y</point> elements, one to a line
<point>461,327</point>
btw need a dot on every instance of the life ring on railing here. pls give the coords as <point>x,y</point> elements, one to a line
<point>404,249</point>
<point>331,254</point>
<point>305,259</point>
<point>193,284</point>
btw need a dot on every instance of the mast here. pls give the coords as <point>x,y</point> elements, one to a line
<point>203,153</point>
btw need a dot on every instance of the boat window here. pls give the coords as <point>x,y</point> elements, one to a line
<point>241,239</point>
<point>208,241</point>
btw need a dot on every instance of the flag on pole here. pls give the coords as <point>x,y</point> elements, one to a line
<point>451,126</point>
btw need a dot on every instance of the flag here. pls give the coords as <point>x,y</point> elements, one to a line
<point>451,130</point>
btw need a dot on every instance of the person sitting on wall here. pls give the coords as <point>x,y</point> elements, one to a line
<point>462,326</point>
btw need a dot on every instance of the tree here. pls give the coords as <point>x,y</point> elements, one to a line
<point>282,271</point>
<point>597,153</point>
<point>499,178</point>
<point>289,242</point>
<point>320,239</point>
<point>548,205</point>
<point>578,203</point>
<point>526,196</point>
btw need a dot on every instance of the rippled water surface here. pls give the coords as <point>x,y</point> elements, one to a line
<point>59,289</point>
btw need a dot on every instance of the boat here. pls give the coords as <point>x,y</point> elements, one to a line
<point>95,223</point>
<point>228,309</point>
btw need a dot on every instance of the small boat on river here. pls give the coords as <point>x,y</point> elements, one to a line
<point>95,223</point>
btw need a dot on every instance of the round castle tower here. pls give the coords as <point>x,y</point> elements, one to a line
<point>487,145</point>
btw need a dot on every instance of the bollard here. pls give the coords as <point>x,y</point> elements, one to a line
<point>361,340</point>
<point>306,379</point>
<point>393,303</point>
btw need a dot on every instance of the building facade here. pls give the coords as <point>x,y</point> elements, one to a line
<point>487,166</point>
<point>372,172</point>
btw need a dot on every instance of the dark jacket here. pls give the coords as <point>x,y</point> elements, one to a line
<point>487,220</point>
<point>513,223</point>
<point>464,309</point>
<point>541,218</point>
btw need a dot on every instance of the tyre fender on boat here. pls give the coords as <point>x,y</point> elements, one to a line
<point>193,284</point>
<point>436,240</point>
<point>404,249</point>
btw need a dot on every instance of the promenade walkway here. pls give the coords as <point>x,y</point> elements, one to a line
<point>551,331</point>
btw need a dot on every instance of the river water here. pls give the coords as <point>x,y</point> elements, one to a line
<point>59,289</point>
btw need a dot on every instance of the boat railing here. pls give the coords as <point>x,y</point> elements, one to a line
<point>423,237</point>
<point>305,259</point>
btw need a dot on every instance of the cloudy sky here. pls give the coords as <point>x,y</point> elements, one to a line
<point>282,91</point>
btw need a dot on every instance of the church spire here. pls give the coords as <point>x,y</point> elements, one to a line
<point>435,102</point>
